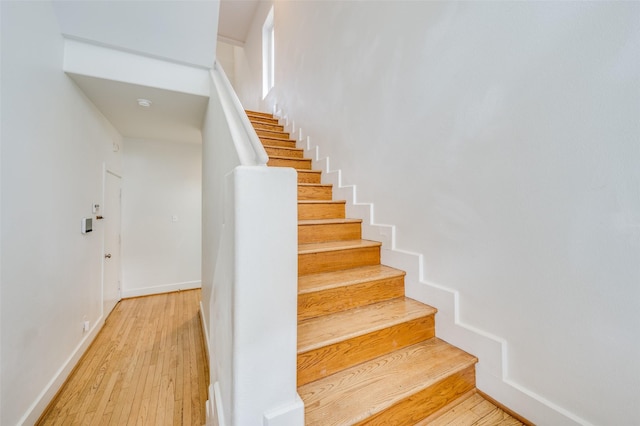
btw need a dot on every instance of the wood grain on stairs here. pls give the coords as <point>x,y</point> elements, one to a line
<point>330,292</point>
<point>309,176</point>
<point>296,163</point>
<point>272,134</point>
<point>337,255</point>
<point>366,353</point>
<point>399,388</point>
<point>287,143</point>
<point>280,151</point>
<point>268,126</point>
<point>260,115</point>
<point>321,209</point>
<point>331,343</point>
<point>315,191</point>
<point>319,230</point>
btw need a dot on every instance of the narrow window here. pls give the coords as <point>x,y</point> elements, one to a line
<point>268,52</point>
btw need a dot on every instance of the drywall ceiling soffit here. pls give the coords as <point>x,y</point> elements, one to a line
<point>172,116</point>
<point>183,31</point>
<point>235,20</point>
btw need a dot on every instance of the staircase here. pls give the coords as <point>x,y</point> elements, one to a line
<point>366,353</point>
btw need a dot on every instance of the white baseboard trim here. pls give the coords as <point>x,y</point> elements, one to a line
<point>218,418</point>
<point>210,401</point>
<point>45,397</point>
<point>492,351</point>
<point>159,289</point>
<point>205,331</point>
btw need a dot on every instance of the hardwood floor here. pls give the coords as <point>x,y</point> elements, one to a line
<point>147,366</point>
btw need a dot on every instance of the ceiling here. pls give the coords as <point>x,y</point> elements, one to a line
<point>172,116</point>
<point>183,32</point>
<point>179,32</point>
<point>235,20</point>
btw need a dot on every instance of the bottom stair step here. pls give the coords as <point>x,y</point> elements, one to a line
<point>399,388</point>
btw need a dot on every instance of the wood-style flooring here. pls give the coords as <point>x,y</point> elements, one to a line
<point>473,410</point>
<point>147,366</point>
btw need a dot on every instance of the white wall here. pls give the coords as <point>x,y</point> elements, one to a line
<point>502,140</point>
<point>161,180</point>
<point>182,31</point>
<point>54,143</point>
<point>248,61</point>
<point>225,56</point>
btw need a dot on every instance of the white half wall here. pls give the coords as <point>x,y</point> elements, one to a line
<point>501,141</point>
<point>54,145</point>
<point>161,217</point>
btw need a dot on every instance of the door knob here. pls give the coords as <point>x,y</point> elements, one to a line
<point>108,255</point>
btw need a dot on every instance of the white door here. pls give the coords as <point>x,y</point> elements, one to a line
<point>111,260</point>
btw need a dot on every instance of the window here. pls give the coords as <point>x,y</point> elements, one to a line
<point>268,54</point>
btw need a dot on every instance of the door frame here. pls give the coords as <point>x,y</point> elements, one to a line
<point>106,171</point>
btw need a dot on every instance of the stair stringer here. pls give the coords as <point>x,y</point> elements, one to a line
<point>492,374</point>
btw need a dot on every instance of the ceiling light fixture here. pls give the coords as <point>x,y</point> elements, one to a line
<point>144,103</point>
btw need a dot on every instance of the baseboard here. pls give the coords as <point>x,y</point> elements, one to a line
<point>218,417</point>
<point>210,401</point>
<point>159,289</point>
<point>491,371</point>
<point>205,331</point>
<point>38,407</point>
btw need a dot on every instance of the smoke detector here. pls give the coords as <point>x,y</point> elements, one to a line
<point>144,103</point>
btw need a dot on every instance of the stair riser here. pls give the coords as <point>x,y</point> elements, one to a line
<point>264,120</point>
<point>422,404</point>
<point>312,263</point>
<point>278,142</point>
<point>260,115</point>
<point>296,163</point>
<point>268,126</point>
<point>330,359</point>
<point>340,299</point>
<point>315,192</point>
<point>329,232</point>
<point>309,177</point>
<point>321,211</point>
<point>283,152</point>
<point>274,135</point>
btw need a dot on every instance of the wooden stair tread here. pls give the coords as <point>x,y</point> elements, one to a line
<point>256,119</point>
<point>284,151</point>
<point>321,201</point>
<point>289,158</point>
<point>329,280</point>
<point>285,148</point>
<point>265,125</point>
<point>336,246</point>
<point>263,120</point>
<point>267,138</point>
<point>262,114</point>
<point>314,333</point>
<point>309,222</point>
<point>316,184</point>
<point>286,143</point>
<point>273,134</point>
<point>359,392</point>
